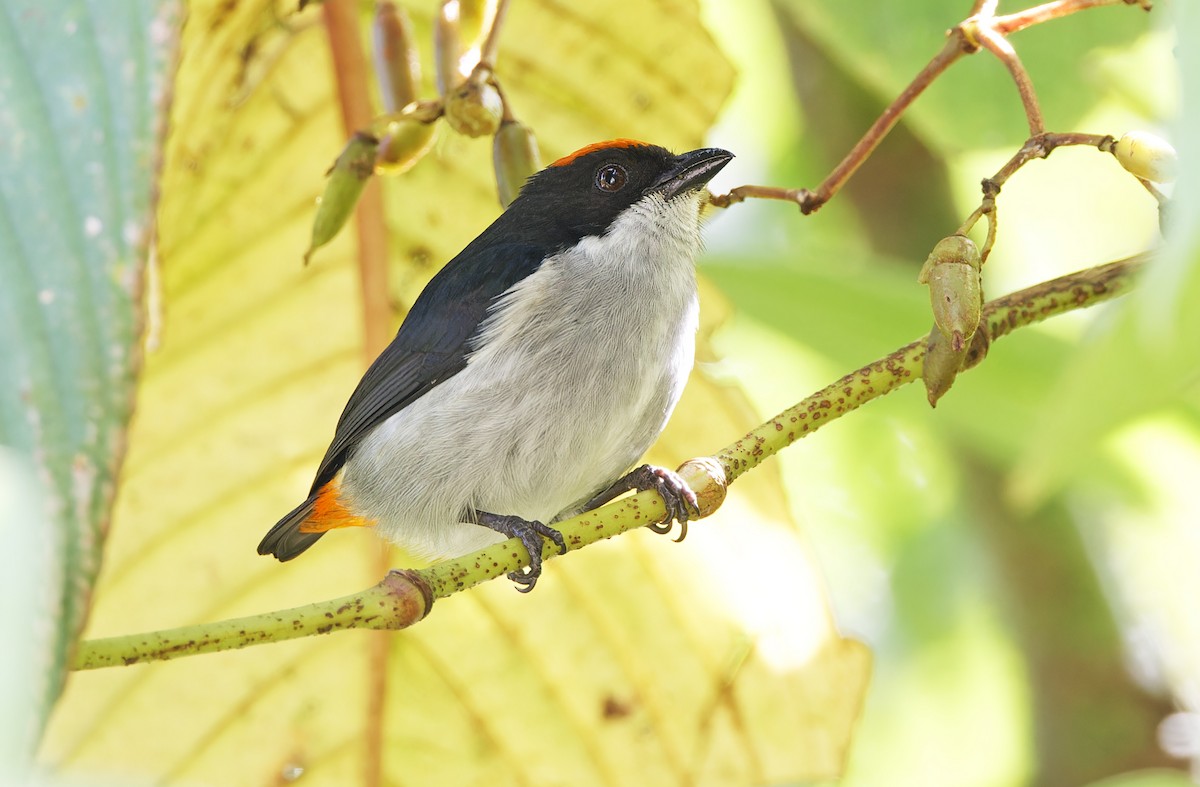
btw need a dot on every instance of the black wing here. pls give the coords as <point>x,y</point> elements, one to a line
<point>431,347</point>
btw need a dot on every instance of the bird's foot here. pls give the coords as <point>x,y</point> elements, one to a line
<point>677,496</point>
<point>532,536</point>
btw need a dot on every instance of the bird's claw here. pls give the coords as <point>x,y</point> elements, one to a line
<point>532,539</point>
<point>532,535</point>
<point>678,498</point>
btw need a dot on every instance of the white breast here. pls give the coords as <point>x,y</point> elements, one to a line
<point>577,370</point>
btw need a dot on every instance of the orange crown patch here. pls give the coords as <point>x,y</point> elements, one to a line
<point>610,144</point>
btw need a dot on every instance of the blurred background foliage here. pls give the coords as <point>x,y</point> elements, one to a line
<point>1027,592</point>
<point>1022,561</point>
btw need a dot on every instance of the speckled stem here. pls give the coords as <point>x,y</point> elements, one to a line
<point>404,597</point>
<point>710,476</point>
<point>705,476</point>
<point>399,600</point>
<point>903,366</point>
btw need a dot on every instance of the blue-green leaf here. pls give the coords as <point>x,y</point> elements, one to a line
<point>82,87</point>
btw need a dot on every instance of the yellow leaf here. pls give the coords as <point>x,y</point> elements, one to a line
<point>634,661</point>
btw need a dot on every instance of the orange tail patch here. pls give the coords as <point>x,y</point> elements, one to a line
<point>330,513</point>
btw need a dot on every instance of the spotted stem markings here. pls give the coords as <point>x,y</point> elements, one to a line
<point>404,597</point>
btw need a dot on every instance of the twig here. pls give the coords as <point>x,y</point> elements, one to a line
<point>1153,190</point>
<point>405,597</point>
<point>350,70</point>
<point>742,193</point>
<point>956,46</point>
<point>1042,145</point>
<point>998,45</point>
<point>1000,317</point>
<point>982,29</point>
<point>491,43</point>
<point>397,601</point>
<point>1036,147</point>
<point>1012,23</point>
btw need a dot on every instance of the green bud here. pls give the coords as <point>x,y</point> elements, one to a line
<point>346,179</point>
<point>448,47</point>
<point>515,157</point>
<point>402,143</point>
<point>1147,156</point>
<point>952,272</point>
<point>475,108</point>
<point>942,365</point>
<point>397,62</point>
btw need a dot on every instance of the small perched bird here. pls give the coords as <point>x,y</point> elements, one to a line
<point>533,370</point>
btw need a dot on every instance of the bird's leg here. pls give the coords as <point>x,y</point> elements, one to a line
<point>531,535</point>
<point>676,495</point>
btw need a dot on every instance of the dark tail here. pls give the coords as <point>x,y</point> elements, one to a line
<point>285,541</point>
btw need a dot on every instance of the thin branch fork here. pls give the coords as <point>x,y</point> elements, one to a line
<point>999,46</point>
<point>1038,146</point>
<point>982,29</point>
<point>809,201</point>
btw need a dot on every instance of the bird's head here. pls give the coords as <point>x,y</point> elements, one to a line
<point>584,193</point>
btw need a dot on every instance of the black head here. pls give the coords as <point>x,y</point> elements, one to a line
<point>583,193</point>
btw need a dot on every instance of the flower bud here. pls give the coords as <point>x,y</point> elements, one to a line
<point>515,157</point>
<point>941,366</point>
<point>474,108</point>
<point>1147,156</point>
<point>402,143</point>
<point>472,15</point>
<point>448,47</point>
<point>952,272</point>
<point>346,179</point>
<point>397,62</point>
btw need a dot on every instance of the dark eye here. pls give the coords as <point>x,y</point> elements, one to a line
<point>611,177</point>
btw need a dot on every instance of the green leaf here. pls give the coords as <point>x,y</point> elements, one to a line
<point>84,87</point>
<point>986,621</point>
<point>28,560</point>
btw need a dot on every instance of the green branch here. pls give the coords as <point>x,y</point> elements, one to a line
<point>404,597</point>
<point>399,600</point>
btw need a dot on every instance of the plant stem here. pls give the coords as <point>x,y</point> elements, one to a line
<point>1036,147</point>
<point>396,602</point>
<point>981,29</point>
<point>809,201</point>
<point>404,597</point>
<point>491,42</point>
<point>998,45</point>
<point>1042,145</point>
<point>903,366</point>
<point>1011,23</point>
<point>350,70</point>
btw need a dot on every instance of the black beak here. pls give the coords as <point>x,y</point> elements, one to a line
<point>691,171</point>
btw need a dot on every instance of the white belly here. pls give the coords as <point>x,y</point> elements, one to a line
<point>572,383</point>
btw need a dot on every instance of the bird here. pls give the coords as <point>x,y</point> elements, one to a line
<point>532,372</point>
